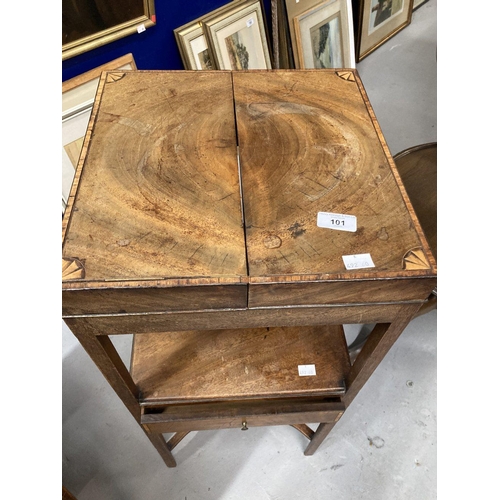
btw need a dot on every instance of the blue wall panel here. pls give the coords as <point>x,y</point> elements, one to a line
<point>155,48</point>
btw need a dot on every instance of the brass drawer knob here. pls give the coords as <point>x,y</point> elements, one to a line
<point>244,424</point>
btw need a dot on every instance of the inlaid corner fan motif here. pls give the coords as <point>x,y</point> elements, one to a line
<point>415,259</point>
<point>346,75</point>
<point>72,269</point>
<point>114,77</point>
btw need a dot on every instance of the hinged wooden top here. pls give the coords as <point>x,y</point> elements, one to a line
<point>309,143</point>
<point>158,193</point>
<point>160,199</point>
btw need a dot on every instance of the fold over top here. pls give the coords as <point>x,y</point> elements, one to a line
<point>159,193</point>
<point>309,144</point>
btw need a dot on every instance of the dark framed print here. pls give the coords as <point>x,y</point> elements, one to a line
<point>87,24</point>
<point>380,20</point>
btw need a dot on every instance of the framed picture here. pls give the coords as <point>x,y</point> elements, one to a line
<point>193,46</point>
<point>237,37</point>
<point>78,96</point>
<point>192,43</point>
<point>323,33</point>
<point>87,24</point>
<point>380,20</point>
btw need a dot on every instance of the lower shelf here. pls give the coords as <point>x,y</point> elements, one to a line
<point>239,364</point>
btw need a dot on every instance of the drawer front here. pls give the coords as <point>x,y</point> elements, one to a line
<point>183,418</point>
<point>239,422</point>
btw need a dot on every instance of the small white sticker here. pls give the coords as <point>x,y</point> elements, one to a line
<point>250,22</point>
<point>359,261</point>
<point>141,28</point>
<point>340,222</point>
<point>307,370</point>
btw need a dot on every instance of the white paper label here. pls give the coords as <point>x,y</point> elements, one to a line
<point>250,22</point>
<point>358,261</point>
<point>340,222</point>
<point>141,28</point>
<point>307,370</point>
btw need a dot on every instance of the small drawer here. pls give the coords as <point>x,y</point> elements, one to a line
<point>242,414</point>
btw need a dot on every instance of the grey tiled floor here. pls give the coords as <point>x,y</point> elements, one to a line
<point>383,448</point>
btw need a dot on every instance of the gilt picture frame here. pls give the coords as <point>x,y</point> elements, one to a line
<point>78,95</point>
<point>323,33</point>
<point>380,20</point>
<point>193,47</point>
<point>88,24</point>
<point>192,43</point>
<point>237,37</point>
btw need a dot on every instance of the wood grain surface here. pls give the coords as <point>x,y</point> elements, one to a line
<point>239,364</point>
<point>159,192</point>
<point>338,292</point>
<point>309,145</point>
<point>179,296</point>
